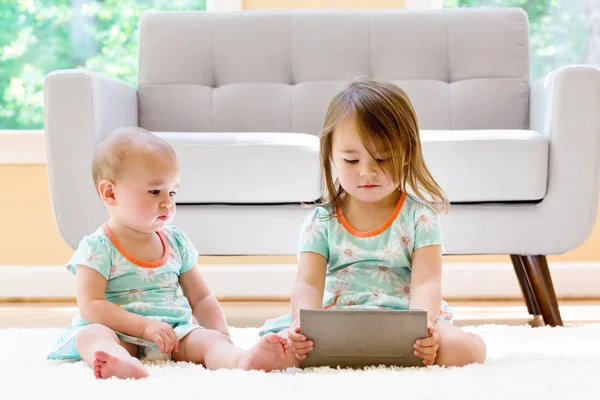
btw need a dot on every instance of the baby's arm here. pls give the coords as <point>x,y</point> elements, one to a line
<point>205,306</point>
<point>426,281</point>
<point>95,309</point>
<point>310,283</point>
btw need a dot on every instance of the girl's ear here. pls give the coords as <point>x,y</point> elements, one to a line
<point>106,188</point>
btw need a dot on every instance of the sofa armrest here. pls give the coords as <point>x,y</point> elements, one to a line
<point>565,108</point>
<point>80,108</point>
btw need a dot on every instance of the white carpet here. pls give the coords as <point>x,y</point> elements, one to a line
<point>523,363</point>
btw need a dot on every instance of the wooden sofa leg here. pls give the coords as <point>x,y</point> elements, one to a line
<point>538,274</point>
<point>532,306</point>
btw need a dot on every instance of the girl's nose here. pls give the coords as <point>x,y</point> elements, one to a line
<point>369,169</point>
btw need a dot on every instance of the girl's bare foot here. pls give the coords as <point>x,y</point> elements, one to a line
<point>106,366</point>
<point>266,354</point>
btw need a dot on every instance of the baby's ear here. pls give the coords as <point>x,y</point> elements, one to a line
<point>106,189</point>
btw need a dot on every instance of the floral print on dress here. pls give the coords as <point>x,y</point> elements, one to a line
<point>120,266</point>
<point>402,288</point>
<point>426,220</point>
<point>133,294</point>
<point>146,275</point>
<point>139,307</point>
<point>339,287</point>
<point>92,257</point>
<point>349,252</point>
<point>313,231</point>
<point>403,239</point>
<point>383,274</point>
<point>376,295</point>
<point>346,273</point>
<point>174,307</point>
<point>175,256</point>
<point>391,251</point>
<point>352,300</point>
<point>167,281</point>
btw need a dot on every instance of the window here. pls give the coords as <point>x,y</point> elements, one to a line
<point>40,36</point>
<point>561,32</point>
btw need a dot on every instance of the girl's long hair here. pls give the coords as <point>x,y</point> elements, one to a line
<point>386,121</point>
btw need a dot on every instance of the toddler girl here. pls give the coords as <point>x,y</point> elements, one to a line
<point>371,244</point>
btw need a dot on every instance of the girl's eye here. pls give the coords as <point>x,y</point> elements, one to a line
<point>351,161</point>
<point>172,194</point>
<point>381,160</point>
<point>154,192</point>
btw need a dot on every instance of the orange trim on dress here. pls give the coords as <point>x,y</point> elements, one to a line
<point>137,261</point>
<point>342,219</point>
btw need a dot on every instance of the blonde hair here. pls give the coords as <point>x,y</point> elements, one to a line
<point>123,148</point>
<point>387,121</point>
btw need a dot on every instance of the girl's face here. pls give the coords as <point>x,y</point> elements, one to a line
<point>366,178</point>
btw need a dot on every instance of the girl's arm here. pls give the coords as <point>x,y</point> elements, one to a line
<point>426,281</point>
<point>205,307</point>
<point>310,283</point>
<point>95,309</point>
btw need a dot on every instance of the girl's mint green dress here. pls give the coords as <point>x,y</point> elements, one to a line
<point>141,287</point>
<point>368,270</point>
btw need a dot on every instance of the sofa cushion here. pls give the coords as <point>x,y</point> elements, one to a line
<point>246,168</point>
<point>488,165</point>
<point>276,168</point>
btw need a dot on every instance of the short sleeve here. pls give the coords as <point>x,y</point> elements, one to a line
<point>314,233</point>
<point>428,231</point>
<point>93,252</point>
<point>185,248</point>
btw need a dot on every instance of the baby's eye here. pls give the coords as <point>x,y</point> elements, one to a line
<point>172,194</point>
<point>154,192</point>
<point>351,161</point>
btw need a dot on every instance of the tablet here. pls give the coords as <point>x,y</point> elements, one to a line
<point>361,338</point>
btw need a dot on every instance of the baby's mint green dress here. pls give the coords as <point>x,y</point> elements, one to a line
<point>144,288</point>
<point>368,270</point>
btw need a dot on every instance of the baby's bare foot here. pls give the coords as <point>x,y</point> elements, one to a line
<point>106,365</point>
<point>266,354</point>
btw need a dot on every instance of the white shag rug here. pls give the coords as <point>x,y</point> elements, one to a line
<point>523,363</point>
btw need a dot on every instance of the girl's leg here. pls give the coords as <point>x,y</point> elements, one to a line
<point>212,349</point>
<point>100,347</point>
<point>457,347</point>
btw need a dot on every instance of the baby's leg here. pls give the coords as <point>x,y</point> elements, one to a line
<point>212,349</point>
<point>100,347</point>
<point>457,347</point>
<point>290,359</point>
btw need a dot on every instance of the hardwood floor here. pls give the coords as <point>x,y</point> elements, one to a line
<point>252,314</point>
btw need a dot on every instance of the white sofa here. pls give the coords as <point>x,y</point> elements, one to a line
<point>242,96</point>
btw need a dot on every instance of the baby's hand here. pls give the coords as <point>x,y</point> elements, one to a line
<point>163,335</point>
<point>427,348</point>
<point>298,343</point>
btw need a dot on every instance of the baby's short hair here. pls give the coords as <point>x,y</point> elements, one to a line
<point>122,148</point>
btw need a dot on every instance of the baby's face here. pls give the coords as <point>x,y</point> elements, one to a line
<point>145,194</point>
<point>365,177</point>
